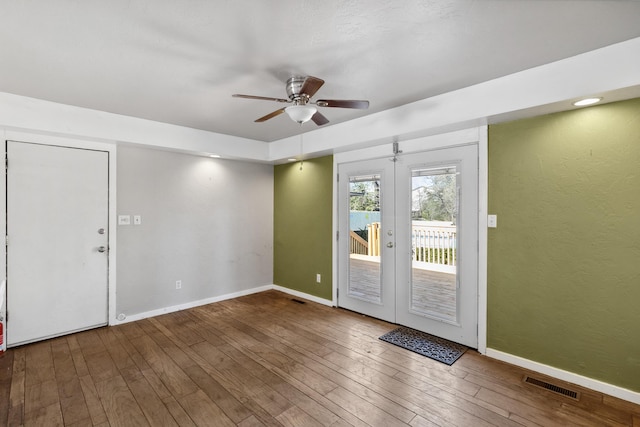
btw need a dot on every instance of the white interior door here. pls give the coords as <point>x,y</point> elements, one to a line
<point>409,253</point>
<point>366,270</point>
<point>57,228</point>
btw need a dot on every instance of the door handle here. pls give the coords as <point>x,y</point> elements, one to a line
<point>390,244</point>
<point>102,249</point>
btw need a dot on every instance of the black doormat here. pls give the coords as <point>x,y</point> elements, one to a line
<point>427,345</point>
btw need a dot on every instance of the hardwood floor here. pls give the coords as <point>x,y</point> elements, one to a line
<point>266,360</point>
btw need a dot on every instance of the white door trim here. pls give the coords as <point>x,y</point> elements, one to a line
<point>111,148</point>
<point>477,135</point>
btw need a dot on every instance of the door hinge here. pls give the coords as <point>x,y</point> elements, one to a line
<point>337,235</point>
<point>338,177</point>
<point>6,163</point>
<point>6,240</point>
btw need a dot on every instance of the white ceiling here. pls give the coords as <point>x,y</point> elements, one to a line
<point>179,61</point>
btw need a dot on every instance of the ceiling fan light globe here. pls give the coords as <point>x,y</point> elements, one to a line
<point>301,113</point>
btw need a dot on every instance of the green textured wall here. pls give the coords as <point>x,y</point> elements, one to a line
<point>303,226</point>
<point>564,262</point>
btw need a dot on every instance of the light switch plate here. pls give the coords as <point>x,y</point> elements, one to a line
<point>124,219</point>
<point>492,221</point>
<point>137,220</point>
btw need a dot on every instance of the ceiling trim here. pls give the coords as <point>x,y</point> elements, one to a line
<point>536,91</point>
<point>540,90</point>
<point>35,115</point>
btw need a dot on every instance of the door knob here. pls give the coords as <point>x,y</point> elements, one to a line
<point>102,249</point>
<point>390,244</point>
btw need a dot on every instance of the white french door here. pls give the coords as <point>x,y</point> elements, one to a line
<point>366,268</point>
<point>411,255</point>
<point>57,252</point>
<point>437,261</point>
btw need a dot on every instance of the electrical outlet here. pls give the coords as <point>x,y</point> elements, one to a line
<point>137,220</point>
<point>178,284</point>
<point>318,278</point>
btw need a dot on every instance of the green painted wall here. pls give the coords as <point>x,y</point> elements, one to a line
<point>303,226</point>
<point>564,262</point>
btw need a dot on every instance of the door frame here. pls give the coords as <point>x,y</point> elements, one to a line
<point>476,135</point>
<point>87,143</point>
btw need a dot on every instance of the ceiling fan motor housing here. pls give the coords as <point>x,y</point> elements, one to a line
<point>294,85</point>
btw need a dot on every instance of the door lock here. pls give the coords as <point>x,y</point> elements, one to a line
<point>390,244</point>
<point>102,249</point>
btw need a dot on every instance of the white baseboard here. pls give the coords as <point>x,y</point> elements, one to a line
<point>191,304</point>
<point>198,303</point>
<point>303,295</point>
<point>602,387</point>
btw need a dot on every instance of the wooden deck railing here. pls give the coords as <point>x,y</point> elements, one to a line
<point>357,245</point>
<point>434,244</point>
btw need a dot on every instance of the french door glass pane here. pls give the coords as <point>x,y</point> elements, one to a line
<point>434,212</point>
<point>364,238</point>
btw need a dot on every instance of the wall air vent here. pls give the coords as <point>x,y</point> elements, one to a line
<point>552,387</point>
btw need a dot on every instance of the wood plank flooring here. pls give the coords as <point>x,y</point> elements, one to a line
<point>265,360</point>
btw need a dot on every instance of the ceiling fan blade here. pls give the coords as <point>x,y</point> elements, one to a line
<point>270,116</point>
<point>311,86</point>
<point>343,103</point>
<point>319,119</point>
<point>262,98</point>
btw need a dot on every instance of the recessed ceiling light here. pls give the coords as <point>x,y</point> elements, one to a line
<point>587,101</point>
<point>292,160</point>
<point>215,156</point>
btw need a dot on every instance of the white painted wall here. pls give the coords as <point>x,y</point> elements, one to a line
<point>206,222</point>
